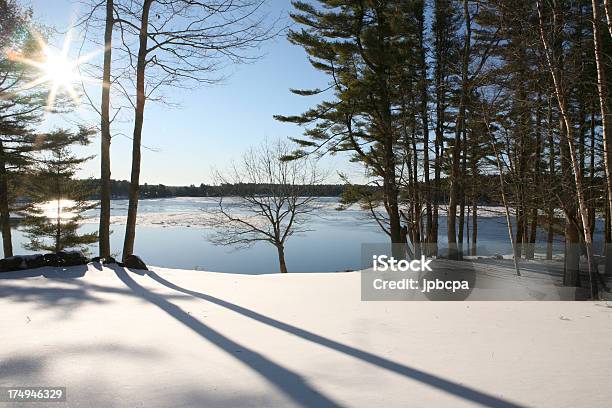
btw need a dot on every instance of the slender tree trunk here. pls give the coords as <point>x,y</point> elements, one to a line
<point>463,176</point>
<point>571,265</point>
<point>58,226</point>
<point>130,228</point>
<point>520,225</point>
<point>608,16</point>
<point>602,93</point>
<point>440,83</point>
<point>551,175</point>
<point>425,127</point>
<point>592,195</point>
<point>5,216</point>
<point>58,220</point>
<point>503,194</point>
<point>551,234</point>
<point>533,231</point>
<point>453,253</point>
<point>105,135</point>
<point>607,238</point>
<point>281,259</point>
<point>582,208</point>
<point>416,202</point>
<point>438,150</point>
<point>506,208</point>
<point>474,227</point>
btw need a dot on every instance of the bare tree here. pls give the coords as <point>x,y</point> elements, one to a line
<point>175,43</point>
<point>274,201</point>
<point>608,16</point>
<point>500,169</point>
<point>602,93</point>
<point>560,94</point>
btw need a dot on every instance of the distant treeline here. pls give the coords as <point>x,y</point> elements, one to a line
<point>488,186</point>
<point>120,189</point>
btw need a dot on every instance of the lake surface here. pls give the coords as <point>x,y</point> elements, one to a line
<point>171,233</point>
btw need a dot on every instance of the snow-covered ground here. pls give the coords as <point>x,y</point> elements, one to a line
<point>176,338</point>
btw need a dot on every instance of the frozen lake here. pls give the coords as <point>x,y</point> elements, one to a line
<point>171,233</point>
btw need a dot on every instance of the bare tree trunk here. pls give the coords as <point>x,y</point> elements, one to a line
<point>130,228</point>
<point>571,265</point>
<point>582,208</point>
<point>506,208</point>
<point>281,258</point>
<point>416,198</point>
<point>551,174</point>
<point>474,225</point>
<point>608,16</point>
<point>520,226</point>
<point>425,126</point>
<point>602,92</point>
<point>105,170</point>
<point>592,195</point>
<point>536,181</point>
<point>5,216</point>
<point>462,177</point>
<point>58,220</point>
<point>453,253</point>
<point>503,194</point>
<point>438,149</point>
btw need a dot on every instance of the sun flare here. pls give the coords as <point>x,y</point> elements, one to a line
<point>54,209</point>
<point>57,70</point>
<point>60,70</point>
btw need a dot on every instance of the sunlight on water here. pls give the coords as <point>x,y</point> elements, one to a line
<point>49,209</point>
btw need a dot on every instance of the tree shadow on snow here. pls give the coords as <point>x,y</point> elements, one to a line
<point>289,383</point>
<point>450,387</point>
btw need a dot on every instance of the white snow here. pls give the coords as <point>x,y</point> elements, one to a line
<point>177,338</point>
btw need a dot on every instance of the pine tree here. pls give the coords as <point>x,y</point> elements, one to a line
<point>369,51</point>
<point>52,223</point>
<point>20,109</point>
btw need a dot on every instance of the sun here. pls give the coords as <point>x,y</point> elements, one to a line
<point>56,69</point>
<point>60,70</point>
<point>58,209</point>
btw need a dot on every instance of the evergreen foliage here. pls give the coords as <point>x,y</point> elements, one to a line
<point>58,200</point>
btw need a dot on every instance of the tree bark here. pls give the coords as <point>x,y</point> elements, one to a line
<point>503,193</point>
<point>105,135</point>
<point>5,215</point>
<point>281,259</point>
<point>608,16</point>
<point>551,174</point>
<point>602,93</point>
<point>533,230</point>
<point>474,250</point>
<point>571,266</point>
<point>453,252</point>
<point>425,126</point>
<point>582,207</point>
<point>130,228</point>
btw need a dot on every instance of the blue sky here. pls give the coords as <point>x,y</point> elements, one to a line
<point>212,125</point>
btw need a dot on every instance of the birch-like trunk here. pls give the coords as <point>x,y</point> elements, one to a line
<point>582,207</point>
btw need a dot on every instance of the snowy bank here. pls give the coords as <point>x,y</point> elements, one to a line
<point>192,339</point>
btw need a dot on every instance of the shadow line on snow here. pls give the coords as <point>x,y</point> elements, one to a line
<point>450,387</point>
<point>286,381</point>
